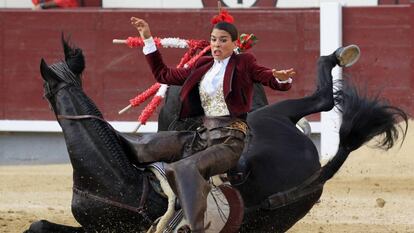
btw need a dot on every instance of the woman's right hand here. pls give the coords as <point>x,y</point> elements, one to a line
<point>142,27</point>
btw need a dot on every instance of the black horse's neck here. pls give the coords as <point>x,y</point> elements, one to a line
<point>98,160</point>
<point>109,192</point>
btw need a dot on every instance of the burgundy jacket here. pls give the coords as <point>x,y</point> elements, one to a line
<point>241,71</point>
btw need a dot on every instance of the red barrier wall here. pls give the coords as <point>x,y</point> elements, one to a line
<point>115,73</point>
<point>385,35</point>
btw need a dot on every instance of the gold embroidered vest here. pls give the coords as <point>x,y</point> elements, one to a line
<point>213,105</point>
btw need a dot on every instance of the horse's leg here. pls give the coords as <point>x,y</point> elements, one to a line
<point>321,100</point>
<point>44,226</point>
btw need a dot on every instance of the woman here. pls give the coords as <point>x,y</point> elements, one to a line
<point>220,88</point>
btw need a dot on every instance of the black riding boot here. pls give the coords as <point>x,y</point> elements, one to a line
<point>187,177</point>
<point>166,146</point>
<point>192,190</point>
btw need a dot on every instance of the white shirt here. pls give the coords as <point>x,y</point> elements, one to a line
<point>214,76</point>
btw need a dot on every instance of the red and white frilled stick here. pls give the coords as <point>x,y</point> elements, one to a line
<point>135,42</point>
<point>152,106</point>
<point>159,90</point>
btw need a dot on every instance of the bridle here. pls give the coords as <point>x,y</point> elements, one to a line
<point>68,79</point>
<point>49,93</point>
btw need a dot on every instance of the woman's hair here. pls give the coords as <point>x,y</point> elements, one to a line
<point>228,27</point>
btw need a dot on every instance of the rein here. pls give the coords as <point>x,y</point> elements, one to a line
<point>82,117</point>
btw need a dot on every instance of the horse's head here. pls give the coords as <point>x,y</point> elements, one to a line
<point>64,73</point>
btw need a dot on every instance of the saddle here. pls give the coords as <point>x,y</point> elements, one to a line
<point>224,213</point>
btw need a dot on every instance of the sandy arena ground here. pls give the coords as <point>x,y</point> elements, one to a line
<point>373,192</point>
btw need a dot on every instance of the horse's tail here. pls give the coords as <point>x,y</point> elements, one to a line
<point>363,118</point>
<point>73,56</point>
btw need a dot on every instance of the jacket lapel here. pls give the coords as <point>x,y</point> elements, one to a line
<point>195,78</point>
<point>228,75</point>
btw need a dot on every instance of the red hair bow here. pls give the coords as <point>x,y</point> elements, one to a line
<point>223,16</point>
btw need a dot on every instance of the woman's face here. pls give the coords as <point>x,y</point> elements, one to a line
<point>221,45</point>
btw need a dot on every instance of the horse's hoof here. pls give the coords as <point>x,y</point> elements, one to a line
<point>347,56</point>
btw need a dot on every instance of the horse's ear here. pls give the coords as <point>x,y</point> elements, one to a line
<point>73,57</point>
<point>43,68</point>
<point>66,48</point>
<point>47,74</point>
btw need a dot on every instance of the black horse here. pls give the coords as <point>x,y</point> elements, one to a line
<point>279,175</point>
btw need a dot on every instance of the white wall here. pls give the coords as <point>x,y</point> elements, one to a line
<point>316,3</point>
<point>152,4</point>
<point>237,4</point>
<point>16,4</point>
<point>193,3</point>
<point>229,3</point>
<point>39,126</point>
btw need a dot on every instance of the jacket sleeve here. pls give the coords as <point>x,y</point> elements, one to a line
<point>264,75</point>
<point>164,74</point>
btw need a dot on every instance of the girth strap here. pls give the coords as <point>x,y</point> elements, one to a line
<point>289,196</point>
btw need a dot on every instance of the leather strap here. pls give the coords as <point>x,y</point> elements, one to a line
<point>80,117</point>
<point>291,195</point>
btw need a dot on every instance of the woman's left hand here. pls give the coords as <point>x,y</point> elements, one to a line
<point>142,27</point>
<point>283,74</point>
